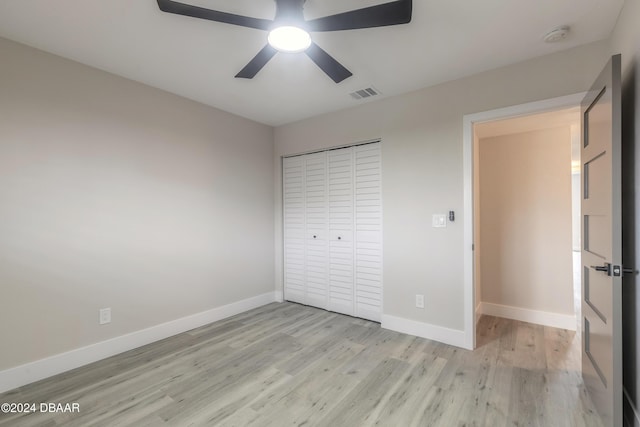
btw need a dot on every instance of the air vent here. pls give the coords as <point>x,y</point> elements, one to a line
<point>365,93</point>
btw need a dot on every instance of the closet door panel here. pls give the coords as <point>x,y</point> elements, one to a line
<point>316,229</point>
<point>294,229</point>
<point>340,188</point>
<point>368,231</point>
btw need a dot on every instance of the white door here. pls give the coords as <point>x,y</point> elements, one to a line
<point>316,229</point>
<point>602,244</point>
<point>341,201</point>
<point>293,194</point>
<point>368,231</point>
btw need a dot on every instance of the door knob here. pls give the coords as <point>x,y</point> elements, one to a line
<point>339,238</point>
<point>606,268</point>
<point>314,236</point>
<point>615,270</point>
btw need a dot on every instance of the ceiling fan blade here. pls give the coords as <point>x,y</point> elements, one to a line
<point>255,65</point>
<point>327,63</point>
<point>178,8</point>
<point>393,13</point>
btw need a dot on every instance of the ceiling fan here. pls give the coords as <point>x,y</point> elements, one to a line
<point>289,31</point>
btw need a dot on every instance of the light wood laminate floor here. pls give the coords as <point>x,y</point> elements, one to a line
<point>291,365</point>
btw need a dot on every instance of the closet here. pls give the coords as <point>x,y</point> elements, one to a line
<point>332,208</point>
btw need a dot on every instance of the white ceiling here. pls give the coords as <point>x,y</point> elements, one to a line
<point>197,59</point>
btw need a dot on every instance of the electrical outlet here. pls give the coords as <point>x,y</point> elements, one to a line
<point>105,316</point>
<point>420,301</point>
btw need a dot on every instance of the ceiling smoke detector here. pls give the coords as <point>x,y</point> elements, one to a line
<point>557,34</point>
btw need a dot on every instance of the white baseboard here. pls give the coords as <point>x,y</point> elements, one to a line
<point>279,296</point>
<point>555,320</point>
<point>44,368</point>
<point>425,330</point>
<point>630,411</point>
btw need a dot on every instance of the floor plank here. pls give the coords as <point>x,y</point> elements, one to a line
<point>287,364</point>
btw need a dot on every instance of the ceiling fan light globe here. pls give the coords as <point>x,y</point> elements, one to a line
<point>289,39</point>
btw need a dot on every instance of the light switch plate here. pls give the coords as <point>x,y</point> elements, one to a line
<point>439,220</point>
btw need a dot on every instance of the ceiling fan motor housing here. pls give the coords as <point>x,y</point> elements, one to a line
<point>289,12</point>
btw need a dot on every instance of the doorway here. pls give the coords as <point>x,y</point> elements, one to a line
<point>525,218</point>
<point>536,119</point>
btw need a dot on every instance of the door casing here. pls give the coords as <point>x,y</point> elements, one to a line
<point>469,120</point>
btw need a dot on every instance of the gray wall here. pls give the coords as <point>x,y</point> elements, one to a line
<point>626,40</point>
<point>422,171</point>
<point>114,194</point>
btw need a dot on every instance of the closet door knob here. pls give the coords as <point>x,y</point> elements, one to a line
<point>314,236</point>
<point>339,238</point>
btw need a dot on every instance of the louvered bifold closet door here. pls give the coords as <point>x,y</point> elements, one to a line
<point>341,250</point>
<point>333,230</point>
<point>316,210</point>
<point>294,228</point>
<point>368,231</point>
